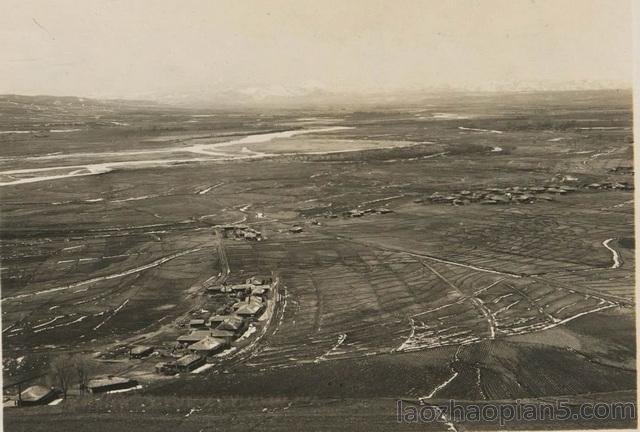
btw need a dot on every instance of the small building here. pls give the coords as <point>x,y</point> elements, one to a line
<point>242,287</point>
<point>193,337</point>
<point>252,236</point>
<point>197,323</point>
<point>189,362</point>
<point>252,306</point>
<point>249,299</point>
<point>250,309</point>
<point>164,368</point>
<point>140,351</point>
<point>259,291</point>
<point>38,395</point>
<point>526,198</point>
<point>260,280</point>
<point>556,190</point>
<point>225,335</point>
<point>207,346</point>
<point>233,323</point>
<point>110,383</point>
<point>498,199</point>
<point>621,186</point>
<point>215,320</point>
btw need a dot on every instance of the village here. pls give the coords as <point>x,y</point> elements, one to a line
<point>204,340</point>
<point>517,194</point>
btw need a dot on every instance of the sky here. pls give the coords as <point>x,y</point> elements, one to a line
<point>159,48</point>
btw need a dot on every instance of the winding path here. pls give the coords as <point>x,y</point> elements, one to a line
<point>617,262</point>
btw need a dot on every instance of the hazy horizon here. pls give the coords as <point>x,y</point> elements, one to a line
<point>195,50</point>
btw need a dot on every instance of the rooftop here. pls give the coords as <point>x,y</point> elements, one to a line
<point>35,393</point>
<point>107,381</point>
<point>188,359</point>
<point>207,344</point>
<point>194,336</point>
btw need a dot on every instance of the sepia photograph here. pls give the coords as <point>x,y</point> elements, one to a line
<point>318,215</point>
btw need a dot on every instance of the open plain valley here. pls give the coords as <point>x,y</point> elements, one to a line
<point>475,247</point>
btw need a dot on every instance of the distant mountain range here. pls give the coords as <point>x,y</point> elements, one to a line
<point>274,97</point>
<point>316,96</point>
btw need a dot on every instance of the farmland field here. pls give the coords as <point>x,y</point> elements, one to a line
<point>473,247</point>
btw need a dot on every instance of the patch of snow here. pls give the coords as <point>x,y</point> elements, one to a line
<point>202,368</point>
<point>64,130</point>
<point>138,387</point>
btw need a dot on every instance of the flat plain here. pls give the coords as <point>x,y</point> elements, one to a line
<point>473,247</point>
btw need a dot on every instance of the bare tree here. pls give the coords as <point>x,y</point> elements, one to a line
<point>62,372</point>
<point>67,370</point>
<point>82,370</point>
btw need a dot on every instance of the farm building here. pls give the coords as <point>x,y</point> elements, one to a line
<point>215,320</point>
<point>250,309</point>
<point>193,337</point>
<point>110,383</point>
<point>225,335</point>
<point>140,351</point>
<point>189,362</point>
<point>207,346</point>
<point>252,306</point>
<point>242,287</point>
<point>38,395</point>
<point>526,198</point>
<point>556,190</point>
<point>260,280</point>
<point>259,291</point>
<point>233,323</point>
<point>498,199</point>
<point>249,299</point>
<point>251,236</point>
<point>197,323</point>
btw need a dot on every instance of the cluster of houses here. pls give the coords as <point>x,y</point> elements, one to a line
<point>359,213</point>
<point>506,195</point>
<point>241,232</point>
<point>611,185</point>
<point>211,334</point>
<point>354,213</point>
<point>207,335</point>
<point>43,395</point>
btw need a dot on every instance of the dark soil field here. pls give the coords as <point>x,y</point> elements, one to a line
<point>409,279</point>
